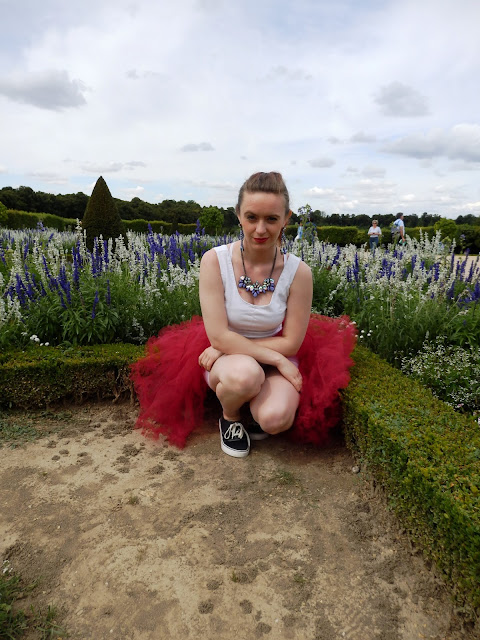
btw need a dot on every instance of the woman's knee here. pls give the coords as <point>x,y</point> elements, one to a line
<point>274,420</point>
<point>243,376</point>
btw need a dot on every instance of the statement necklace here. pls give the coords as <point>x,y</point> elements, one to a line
<point>255,288</point>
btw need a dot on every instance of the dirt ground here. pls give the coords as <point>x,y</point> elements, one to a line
<point>133,539</point>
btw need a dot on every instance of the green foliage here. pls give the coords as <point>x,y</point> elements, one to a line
<point>447,228</point>
<point>427,457</point>
<point>141,226</point>
<point>338,235</point>
<point>3,215</point>
<point>416,232</point>
<point>101,215</point>
<point>186,229</point>
<point>451,372</point>
<point>14,622</point>
<point>468,237</point>
<point>40,376</point>
<point>28,220</point>
<point>211,219</point>
<point>21,219</point>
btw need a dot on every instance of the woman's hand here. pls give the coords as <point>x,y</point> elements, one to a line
<point>291,373</point>
<point>208,357</point>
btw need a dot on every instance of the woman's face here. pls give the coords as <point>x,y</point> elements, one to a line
<point>262,216</point>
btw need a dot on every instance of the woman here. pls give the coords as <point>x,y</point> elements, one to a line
<point>257,344</point>
<point>374,234</point>
<point>248,362</point>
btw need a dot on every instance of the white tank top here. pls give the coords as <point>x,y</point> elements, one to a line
<point>253,320</point>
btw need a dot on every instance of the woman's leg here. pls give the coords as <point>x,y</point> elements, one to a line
<point>236,379</point>
<point>275,405</point>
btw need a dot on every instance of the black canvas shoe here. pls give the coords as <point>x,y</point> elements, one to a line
<point>255,431</point>
<point>233,438</point>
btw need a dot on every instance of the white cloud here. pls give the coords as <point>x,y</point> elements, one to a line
<point>133,192</point>
<point>51,89</point>
<point>111,167</point>
<point>319,192</point>
<point>373,172</point>
<point>122,80</point>
<point>399,100</point>
<point>203,146</point>
<point>321,163</point>
<point>362,137</point>
<point>462,142</point>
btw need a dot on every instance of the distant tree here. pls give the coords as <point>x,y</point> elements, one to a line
<point>3,215</point>
<point>211,218</point>
<point>101,215</point>
<point>230,219</point>
<point>447,228</point>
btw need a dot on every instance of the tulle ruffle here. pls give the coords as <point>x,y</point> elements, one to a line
<point>171,388</point>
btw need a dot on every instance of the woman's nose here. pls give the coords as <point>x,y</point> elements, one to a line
<point>261,226</point>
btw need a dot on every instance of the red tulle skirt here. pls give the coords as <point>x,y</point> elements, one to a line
<point>171,387</point>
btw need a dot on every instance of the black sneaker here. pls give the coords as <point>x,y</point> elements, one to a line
<point>233,438</point>
<point>255,431</point>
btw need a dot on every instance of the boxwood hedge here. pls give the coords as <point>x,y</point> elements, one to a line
<point>427,457</point>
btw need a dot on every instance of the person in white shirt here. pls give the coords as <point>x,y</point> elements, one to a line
<point>374,234</point>
<point>398,230</point>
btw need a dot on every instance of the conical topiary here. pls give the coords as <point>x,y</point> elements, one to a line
<point>101,215</point>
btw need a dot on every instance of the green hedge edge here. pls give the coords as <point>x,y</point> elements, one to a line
<point>427,457</point>
<point>42,376</point>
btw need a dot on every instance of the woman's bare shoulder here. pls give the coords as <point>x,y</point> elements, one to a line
<point>209,257</point>
<point>303,271</point>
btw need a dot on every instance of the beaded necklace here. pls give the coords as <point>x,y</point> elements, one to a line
<point>255,288</point>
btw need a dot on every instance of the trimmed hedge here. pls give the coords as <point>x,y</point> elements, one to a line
<point>141,226</point>
<point>28,220</point>
<point>40,376</point>
<point>427,457</point>
<point>338,235</point>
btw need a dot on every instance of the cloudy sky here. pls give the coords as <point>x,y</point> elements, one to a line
<point>365,106</point>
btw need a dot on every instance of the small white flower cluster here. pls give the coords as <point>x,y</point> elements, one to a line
<point>36,339</point>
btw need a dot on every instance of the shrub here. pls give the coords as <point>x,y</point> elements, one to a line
<point>40,376</point>
<point>3,215</point>
<point>338,235</point>
<point>211,219</point>
<point>451,372</point>
<point>447,228</point>
<point>101,215</point>
<point>427,457</point>
<point>21,219</point>
<point>468,237</point>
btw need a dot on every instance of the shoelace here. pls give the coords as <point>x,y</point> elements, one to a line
<point>235,430</point>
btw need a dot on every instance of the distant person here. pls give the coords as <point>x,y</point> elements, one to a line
<point>299,235</point>
<point>398,230</point>
<point>374,234</point>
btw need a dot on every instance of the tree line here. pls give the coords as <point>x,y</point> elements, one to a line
<point>74,206</point>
